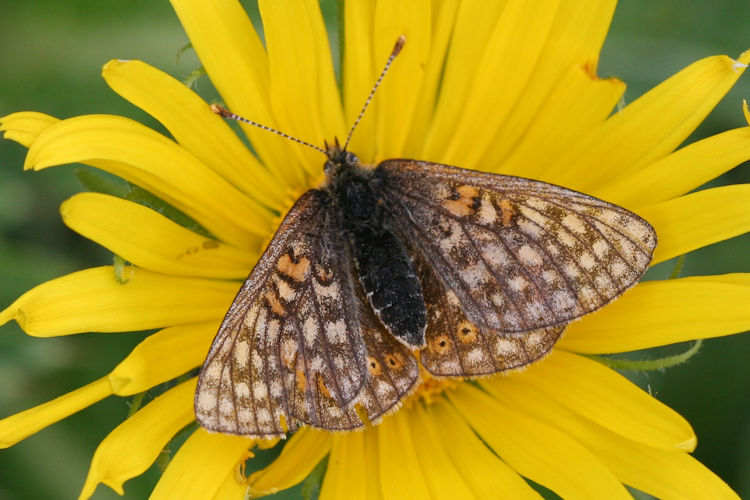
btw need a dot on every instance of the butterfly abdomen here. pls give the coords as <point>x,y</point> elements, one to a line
<point>385,269</point>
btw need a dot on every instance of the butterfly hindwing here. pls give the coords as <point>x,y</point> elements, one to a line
<point>292,342</point>
<point>520,255</point>
<point>457,347</point>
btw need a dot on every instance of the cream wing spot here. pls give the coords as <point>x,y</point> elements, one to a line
<point>529,256</point>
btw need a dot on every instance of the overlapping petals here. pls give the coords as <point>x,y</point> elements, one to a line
<point>503,87</point>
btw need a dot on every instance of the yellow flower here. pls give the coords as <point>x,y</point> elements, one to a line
<point>496,86</point>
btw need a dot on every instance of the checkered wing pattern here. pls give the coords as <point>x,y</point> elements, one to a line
<point>519,255</point>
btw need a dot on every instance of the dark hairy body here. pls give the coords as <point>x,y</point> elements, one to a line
<point>385,269</point>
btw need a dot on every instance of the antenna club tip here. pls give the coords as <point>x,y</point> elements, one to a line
<point>215,108</point>
<point>399,45</point>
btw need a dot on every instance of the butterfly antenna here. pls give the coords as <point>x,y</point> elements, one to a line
<point>219,110</point>
<point>396,49</point>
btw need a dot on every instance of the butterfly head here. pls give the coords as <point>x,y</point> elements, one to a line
<point>338,159</point>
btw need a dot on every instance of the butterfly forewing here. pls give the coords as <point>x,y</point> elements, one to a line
<point>292,335</point>
<point>519,255</point>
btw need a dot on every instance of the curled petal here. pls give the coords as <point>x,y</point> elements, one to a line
<point>25,126</point>
<point>152,241</point>
<point>133,445</point>
<point>22,425</point>
<point>95,301</point>
<point>199,469</point>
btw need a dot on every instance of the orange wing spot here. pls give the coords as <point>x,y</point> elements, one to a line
<point>322,386</point>
<point>373,366</point>
<point>394,360</point>
<point>275,303</point>
<point>323,274</point>
<point>466,203</point>
<point>506,212</point>
<point>301,380</point>
<point>467,332</point>
<point>297,271</point>
<point>441,344</point>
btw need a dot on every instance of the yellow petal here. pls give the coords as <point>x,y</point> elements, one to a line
<point>22,425</point>
<point>400,473</point>
<point>25,126</point>
<point>153,361</point>
<point>151,241</point>
<point>649,128</point>
<point>578,103</point>
<point>200,467</point>
<point>665,474</point>
<point>443,17</point>
<point>682,171</point>
<point>359,74</point>
<point>305,449</point>
<point>535,449</point>
<point>131,448</point>
<point>512,51</point>
<point>140,155</point>
<point>231,52</point>
<point>604,397</point>
<point>199,131</point>
<point>433,448</point>
<point>698,219</point>
<point>485,473</point>
<point>573,41</point>
<point>397,96</point>
<point>94,301</point>
<point>352,468</point>
<point>658,313</point>
<point>233,487</point>
<point>304,96</point>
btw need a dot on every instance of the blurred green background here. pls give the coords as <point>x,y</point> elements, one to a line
<point>51,55</point>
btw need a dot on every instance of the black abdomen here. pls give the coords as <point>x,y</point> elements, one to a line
<point>385,269</point>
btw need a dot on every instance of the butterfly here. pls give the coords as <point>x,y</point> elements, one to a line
<point>382,270</point>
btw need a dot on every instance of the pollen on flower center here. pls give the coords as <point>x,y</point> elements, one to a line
<point>430,387</point>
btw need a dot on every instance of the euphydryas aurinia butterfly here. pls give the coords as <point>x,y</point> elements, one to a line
<point>477,272</point>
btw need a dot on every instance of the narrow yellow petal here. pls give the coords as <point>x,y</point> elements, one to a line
<point>682,171</point>
<point>648,129</point>
<point>433,446</point>
<point>484,472</point>
<point>304,96</point>
<point>400,473</point>
<point>25,126</point>
<point>347,473</point>
<point>573,42</point>
<point>200,467</point>
<point>151,241</point>
<point>473,26</point>
<point>153,361</point>
<point>142,156</point>
<point>199,131</point>
<point>698,219</point>
<point>232,53</point>
<point>535,449</point>
<point>94,301</point>
<point>658,313</point>
<point>503,70</point>
<point>22,425</point>
<point>131,448</point>
<point>604,397</point>
<point>305,449</point>
<point>443,16</point>
<point>396,101</point>
<point>578,103</point>
<point>233,487</point>
<point>664,474</point>
<point>359,74</point>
